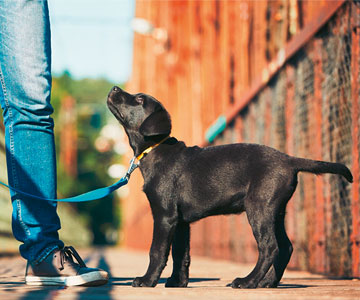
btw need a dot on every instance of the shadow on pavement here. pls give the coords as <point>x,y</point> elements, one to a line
<point>127,281</point>
<point>105,290</point>
<point>293,286</point>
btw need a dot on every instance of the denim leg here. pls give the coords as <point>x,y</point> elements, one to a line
<point>25,77</point>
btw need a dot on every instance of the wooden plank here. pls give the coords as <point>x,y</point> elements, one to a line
<point>319,255</point>
<point>355,77</point>
<point>258,38</point>
<point>195,72</point>
<point>241,15</point>
<point>291,215</point>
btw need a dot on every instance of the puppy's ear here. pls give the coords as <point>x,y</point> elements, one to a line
<point>158,123</point>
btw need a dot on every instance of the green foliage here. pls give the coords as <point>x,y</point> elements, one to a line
<point>103,216</point>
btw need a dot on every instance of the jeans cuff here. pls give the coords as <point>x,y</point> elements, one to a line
<point>44,254</point>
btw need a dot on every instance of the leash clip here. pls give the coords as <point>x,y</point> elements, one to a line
<point>132,167</point>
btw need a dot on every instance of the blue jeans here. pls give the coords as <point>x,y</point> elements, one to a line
<point>25,77</point>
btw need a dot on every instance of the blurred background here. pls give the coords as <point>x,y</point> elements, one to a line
<point>283,73</point>
<point>92,44</point>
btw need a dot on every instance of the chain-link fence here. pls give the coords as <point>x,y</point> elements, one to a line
<point>307,110</point>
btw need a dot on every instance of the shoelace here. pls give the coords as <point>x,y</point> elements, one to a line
<point>67,254</point>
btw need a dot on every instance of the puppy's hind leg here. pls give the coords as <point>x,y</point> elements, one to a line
<point>274,275</point>
<point>262,220</point>
<point>181,256</point>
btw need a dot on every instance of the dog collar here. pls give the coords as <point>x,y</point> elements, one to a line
<point>148,150</point>
<point>133,166</point>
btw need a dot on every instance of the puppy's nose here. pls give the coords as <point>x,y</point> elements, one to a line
<point>113,91</point>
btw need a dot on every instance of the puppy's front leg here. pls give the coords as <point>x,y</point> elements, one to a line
<point>164,228</point>
<point>181,256</point>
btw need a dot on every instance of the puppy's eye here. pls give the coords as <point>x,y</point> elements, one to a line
<point>139,99</point>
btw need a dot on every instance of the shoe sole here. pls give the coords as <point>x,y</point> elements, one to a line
<point>88,279</point>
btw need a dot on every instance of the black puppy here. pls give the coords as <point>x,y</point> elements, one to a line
<point>185,184</point>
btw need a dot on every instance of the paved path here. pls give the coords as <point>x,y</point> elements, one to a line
<point>208,281</point>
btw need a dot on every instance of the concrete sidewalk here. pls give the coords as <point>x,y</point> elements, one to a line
<point>208,281</point>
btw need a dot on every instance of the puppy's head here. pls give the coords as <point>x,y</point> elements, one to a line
<point>139,113</point>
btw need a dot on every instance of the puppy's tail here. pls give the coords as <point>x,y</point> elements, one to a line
<point>320,167</point>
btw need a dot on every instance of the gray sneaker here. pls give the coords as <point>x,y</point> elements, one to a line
<point>59,268</point>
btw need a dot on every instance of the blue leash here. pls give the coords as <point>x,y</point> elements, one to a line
<point>88,196</point>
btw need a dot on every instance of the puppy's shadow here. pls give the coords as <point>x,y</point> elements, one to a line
<point>287,286</point>
<point>293,286</point>
<point>127,281</point>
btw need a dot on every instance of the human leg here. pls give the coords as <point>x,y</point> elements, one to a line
<point>25,74</point>
<point>25,81</point>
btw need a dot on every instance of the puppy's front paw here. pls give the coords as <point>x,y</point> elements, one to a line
<point>176,282</point>
<point>143,282</point>
<point>242,283</point>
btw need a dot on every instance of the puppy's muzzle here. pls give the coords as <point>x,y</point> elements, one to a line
<point>115,90</point>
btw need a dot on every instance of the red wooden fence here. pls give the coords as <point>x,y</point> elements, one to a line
<point>284,73</point>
